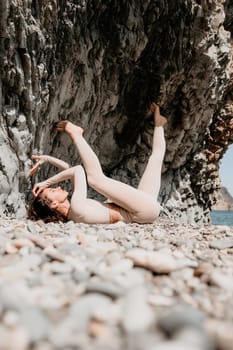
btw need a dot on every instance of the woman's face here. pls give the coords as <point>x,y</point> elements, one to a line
<point>56,194</point>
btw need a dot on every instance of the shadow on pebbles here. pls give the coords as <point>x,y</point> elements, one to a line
<point>164,286</point>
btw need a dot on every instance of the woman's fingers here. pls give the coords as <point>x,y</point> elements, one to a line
<point>35,156</point>
<point>34,169</point>
<point>34,191</point>
<point>37,190</point>
<point>40,159</point>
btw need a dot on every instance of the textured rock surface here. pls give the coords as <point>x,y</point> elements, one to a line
<point>224,200</point>
<point>100,63</point>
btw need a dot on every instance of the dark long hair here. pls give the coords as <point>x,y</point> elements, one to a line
<point>39,210</point>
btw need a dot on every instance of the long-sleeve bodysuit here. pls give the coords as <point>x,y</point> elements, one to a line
<point>128,204</point>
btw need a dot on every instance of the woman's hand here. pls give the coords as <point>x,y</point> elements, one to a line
<point>39,161</point>
<point>38,188</point>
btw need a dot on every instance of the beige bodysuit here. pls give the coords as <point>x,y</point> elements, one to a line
<point>128,204</point>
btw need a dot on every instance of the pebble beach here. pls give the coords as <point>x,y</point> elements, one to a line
<point>163,286</point>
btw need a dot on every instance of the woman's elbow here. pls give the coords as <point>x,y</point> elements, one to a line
<point>78,168</point>
<point>75,170</point>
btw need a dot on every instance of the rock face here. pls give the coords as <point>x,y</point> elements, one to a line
<point>224,200</point>
<point>100,64</point>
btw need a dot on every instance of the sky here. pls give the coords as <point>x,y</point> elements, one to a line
<point>226,170</point>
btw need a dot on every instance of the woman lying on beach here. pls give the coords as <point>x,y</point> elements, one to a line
<point>128,204</point>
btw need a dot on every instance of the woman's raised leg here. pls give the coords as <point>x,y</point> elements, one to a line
<point>151,178</point>
<point>127,197</point>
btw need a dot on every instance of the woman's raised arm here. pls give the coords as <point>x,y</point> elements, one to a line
<point>41,159</point>
<point>67,174</point>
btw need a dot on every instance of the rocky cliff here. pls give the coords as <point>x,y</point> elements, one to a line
<point>224,200</point>
<point>100,64</point>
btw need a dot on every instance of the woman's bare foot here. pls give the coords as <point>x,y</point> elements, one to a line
<point>159,120</point>
<point>70,128</point>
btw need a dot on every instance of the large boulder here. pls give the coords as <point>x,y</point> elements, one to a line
<point>100,64</point>
<point>224,200</point>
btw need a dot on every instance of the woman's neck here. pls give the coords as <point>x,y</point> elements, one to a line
<point>64,208</point>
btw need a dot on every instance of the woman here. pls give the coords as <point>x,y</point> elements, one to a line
<point>128,204</point>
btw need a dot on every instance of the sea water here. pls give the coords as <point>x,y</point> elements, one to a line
<point>222,217</point>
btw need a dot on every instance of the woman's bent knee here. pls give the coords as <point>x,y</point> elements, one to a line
<point>148,214</point>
